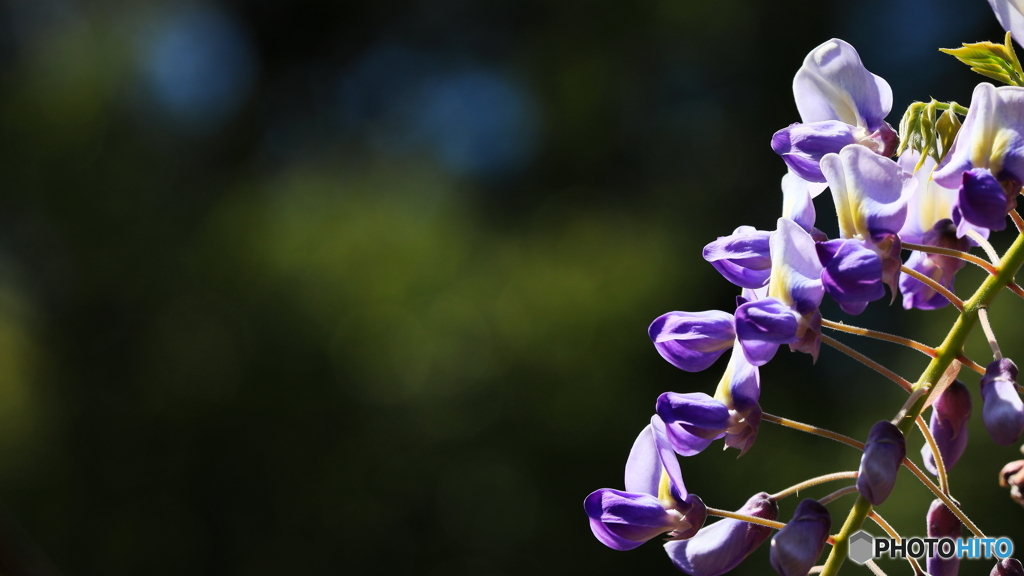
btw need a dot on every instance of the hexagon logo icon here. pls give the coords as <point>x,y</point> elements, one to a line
<point>862,547</point>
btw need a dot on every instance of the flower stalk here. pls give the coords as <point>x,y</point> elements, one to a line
<point>950,349</point>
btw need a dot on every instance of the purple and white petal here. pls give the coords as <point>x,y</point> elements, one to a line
<point>870,192</point>
<point>797,200</point>
<point>1010,14</point>
<point>652,459</point>
<point>992,137</point>
<point>833,84</point>
<point>796,270</point>
<point>740,386</point>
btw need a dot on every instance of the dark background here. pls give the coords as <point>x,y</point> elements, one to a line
<point>363,287</point>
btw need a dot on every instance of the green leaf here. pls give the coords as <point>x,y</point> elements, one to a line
<point>996,61</point>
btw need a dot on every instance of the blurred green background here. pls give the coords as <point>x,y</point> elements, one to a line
<point>363,287</point>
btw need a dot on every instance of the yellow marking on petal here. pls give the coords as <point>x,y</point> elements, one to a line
<point>665,489</point>
<point>724,391</point>
<point>1000,144</point>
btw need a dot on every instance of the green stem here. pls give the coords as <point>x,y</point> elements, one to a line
<point>945,354</point>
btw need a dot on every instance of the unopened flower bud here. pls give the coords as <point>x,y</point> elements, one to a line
<point>1002,408</point>
<point>796,547</point>
<point>948,425</point>
<point>1008,567</point>
<point>883,454</point>
<point>942,523</point>
<point>1012,477</point>
<point>720,547</point>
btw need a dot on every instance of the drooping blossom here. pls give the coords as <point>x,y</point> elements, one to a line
<point>1001,406</point>
<point>948,426</point>
<point>986,161</point>
<point>789,314</point>
<point>930,221</point>
<point>883,454</point>
<point>796,547</point>
<point>655,500</point>
<point>694,420</point>
<point>840,103</point>
<point>720,547</point>
<point>692,341</point>
<point>870,195</point>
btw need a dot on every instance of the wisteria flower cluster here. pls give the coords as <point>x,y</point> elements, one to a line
<point>936,189</point>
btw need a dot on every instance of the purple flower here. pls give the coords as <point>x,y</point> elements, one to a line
<point>796,547</point>
<point>694,420</point>
<point>1008,567</point>
<point>942,269</point>
<point>720,547</point>
<point>655,500</point>
<point>930,203</point>
<point>942,523</point>
<point>840,103</point>
<point>789,315</point>
<point>870,194</point>
<point>883,454</point>
<point>742,257</point>
<point>931,221</point>
<point>1001,406</point>
<point>692,341</point>
<point>948,425</point>
<point>986,161</point>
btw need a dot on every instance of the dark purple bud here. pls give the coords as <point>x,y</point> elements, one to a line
<point>941,268</point>
<point>797,546</point>
<point>1012,477</point>
<point>982,200</point>
<point>942,523</point>
<point>692,341</point>
<point>948,425</point>
<point>720,547</point>
<point>743,257</point>
<point>1008,567</point>
<point>852,273</point>
<point>1001,406</point>
<point>883,454</point>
